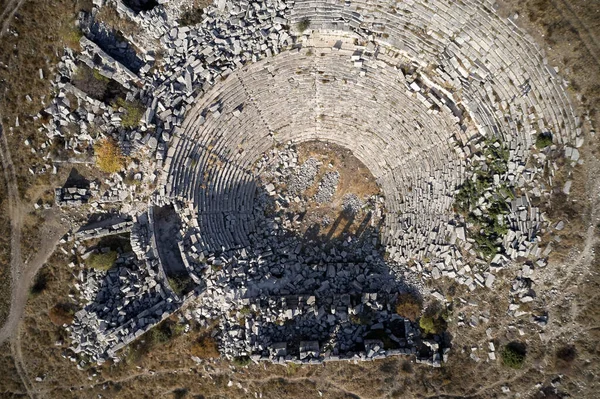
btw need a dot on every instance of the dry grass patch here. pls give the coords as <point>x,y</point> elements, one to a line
<point>573,209</point>
<point>354,178</point>
<point>61,313</point>
<point>10,382</point>
<point>408,306</point>
<point>205,347</point>
<point>90,81</point>
<point>567,28</point>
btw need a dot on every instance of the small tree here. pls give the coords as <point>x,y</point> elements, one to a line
<point>513,355</point>
<point>303,25</point>
<point>543,140</point>
<point>109,158</point>
<point>102,261</point>
<point>134,111</point>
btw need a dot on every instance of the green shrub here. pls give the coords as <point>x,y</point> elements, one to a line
<point>241,361</point>
<point>134,111</point>
<point>177,329</point>
<point>513,355</point>
<point>303,25</point>
<point>245,311</point>
<point>158,335</point>
<point>427,324</point>
<point>179,284</point>
<point>435,319</point>
<point>543,140</point>
<point>489,226</point>
<point>102,261</point>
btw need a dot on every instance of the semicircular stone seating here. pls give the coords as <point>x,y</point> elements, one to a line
<point>471,76</point>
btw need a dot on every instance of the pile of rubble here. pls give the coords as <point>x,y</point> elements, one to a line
<point>71,196</point>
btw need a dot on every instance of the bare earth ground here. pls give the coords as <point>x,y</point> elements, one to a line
<point>354,178</point>
<point>31,361</point>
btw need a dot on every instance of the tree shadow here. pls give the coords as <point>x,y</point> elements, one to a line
<point>310,298</point>
<point>76,179</point>
<point>337,291</point>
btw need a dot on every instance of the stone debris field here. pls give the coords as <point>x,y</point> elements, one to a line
<point>443,103</point>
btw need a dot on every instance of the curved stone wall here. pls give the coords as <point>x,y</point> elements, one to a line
<point>407,119</point>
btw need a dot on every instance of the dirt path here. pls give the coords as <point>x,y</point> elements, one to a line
<point>15,348</point>
<point>22,273</point>
<point>324,384</point>
<point>25,272</point>
<point>16,222</point>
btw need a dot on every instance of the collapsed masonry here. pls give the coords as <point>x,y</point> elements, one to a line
<point>416,96</point>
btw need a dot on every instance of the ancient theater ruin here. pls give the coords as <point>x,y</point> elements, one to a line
<point>308,163</point>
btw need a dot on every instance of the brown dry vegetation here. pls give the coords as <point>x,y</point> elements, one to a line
<point>574,210</point>
<point>160,364</point>
<point>109,158</point>
<point>10,382</point>
<point>192,14</point>
<point>61,313</point>
<point>35,41</point>
<point>205,347</point>
<point>44,27</point>
<point>408,306</point>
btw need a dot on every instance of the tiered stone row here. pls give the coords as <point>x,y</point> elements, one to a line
<point>332,91</point>
<point>501,76</point>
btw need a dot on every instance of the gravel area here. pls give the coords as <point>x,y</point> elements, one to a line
<point>352,204</point>
<point>305,176</point>
<point>327,187</point>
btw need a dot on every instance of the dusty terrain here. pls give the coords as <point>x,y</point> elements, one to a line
<point>561,361</point>
<point>354,178</point>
